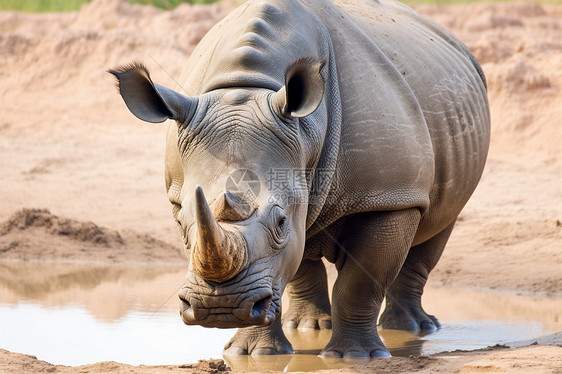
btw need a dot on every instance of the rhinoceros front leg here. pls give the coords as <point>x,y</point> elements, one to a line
<point>403,310</point>
<point>375,246</point>
<point>308,291</point>
<point>259,340</point>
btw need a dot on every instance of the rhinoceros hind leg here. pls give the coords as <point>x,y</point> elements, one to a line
<point>308,292</point>
<point>259,340</point>
<point>403,309</point>
<point>375,246</point>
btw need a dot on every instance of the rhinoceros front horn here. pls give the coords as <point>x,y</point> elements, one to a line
<point>219,254</point>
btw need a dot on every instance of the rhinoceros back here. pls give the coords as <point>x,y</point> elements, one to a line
<point>415,127</point>
<point>451,90</point>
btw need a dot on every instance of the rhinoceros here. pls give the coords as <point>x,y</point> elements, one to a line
<point>360,130</point>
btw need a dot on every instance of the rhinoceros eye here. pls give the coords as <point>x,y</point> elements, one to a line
<point>278,223</point>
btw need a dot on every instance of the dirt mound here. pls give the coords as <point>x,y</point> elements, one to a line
<point>20,363</point>
<point>213,366</point>
<point>519,47</point>
<point>88,232</point>
<point>36,234</point>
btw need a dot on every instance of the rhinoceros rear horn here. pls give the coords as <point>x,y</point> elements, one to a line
<point>231,207</point>
<point>218,254</point>
<point>303,90</point>
<point>148,101</point>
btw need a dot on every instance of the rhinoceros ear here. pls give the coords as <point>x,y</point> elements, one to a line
<point>303,90</point>
<point>149,101</point>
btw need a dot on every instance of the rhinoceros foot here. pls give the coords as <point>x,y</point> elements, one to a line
<point>408,316</point>
<point>262,340</point>
<point>307,316</point>
<point>309,322</point>
<point>363,344</point>
<point>309,307</point>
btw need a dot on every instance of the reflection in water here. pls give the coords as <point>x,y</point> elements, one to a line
<point>460,335</point>
<point>296,362</point>
<point>36,281</point>
<point>78,314</point>
<point>307,345</point>
<point>70,335</point>
<point>109,292</point>
<point>308,341</point>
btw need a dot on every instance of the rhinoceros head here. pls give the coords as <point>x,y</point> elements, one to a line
<point>236,164</point>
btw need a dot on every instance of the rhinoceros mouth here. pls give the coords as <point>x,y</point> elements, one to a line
<point>261,309</point>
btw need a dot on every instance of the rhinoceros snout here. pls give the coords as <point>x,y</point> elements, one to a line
<point>218,313</point>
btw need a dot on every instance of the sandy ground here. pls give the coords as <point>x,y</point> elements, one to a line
<point>82,180</point>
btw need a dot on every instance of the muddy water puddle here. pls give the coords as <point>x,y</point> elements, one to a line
<point>79,314</point>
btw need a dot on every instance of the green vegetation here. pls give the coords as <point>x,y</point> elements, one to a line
<point>40,6</point>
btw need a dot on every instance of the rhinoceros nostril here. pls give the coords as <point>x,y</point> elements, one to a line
<point>185,304</point>
<point>186,311</point>
<point>261,307</point>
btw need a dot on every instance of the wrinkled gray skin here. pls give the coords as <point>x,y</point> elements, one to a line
<point>388,113</point>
